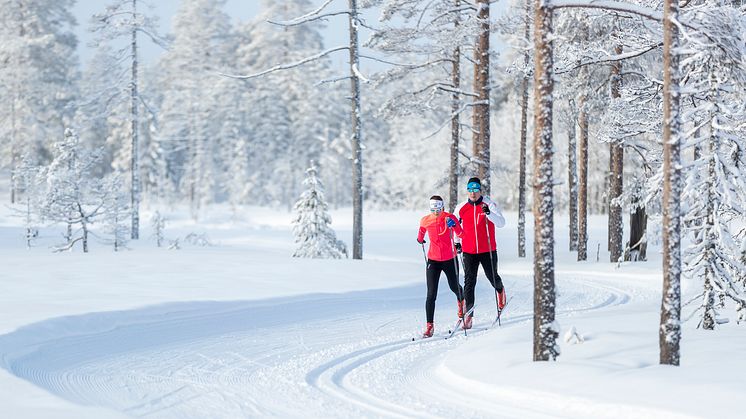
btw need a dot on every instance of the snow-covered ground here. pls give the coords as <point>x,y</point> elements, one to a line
<point>240,329</point>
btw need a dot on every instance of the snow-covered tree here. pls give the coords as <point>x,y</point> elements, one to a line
<point>426,42</point>
<point>116,213</point>
<point>669,334</point>
<point>73,197</point>
<point>122,21</point>
<point>312,223</point>
<point>716,188</point>
<point>188,80</point>
<point>38,71</point>
<point>158,222</point>
<point>27,180</point>
<point>355,76</point>
<point>546,330</point>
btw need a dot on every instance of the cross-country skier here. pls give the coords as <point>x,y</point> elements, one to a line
<point>478,216</point>
<point>440,227</point>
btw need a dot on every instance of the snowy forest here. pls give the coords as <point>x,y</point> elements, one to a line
<point>565,108</point>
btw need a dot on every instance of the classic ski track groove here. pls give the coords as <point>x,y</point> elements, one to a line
<point>331,377</point>
<point>89,374</point>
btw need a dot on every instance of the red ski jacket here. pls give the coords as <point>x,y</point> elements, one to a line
<point>441,245</point>
<point>474,239</point>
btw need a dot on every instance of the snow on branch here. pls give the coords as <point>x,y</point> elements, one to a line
<point>296,22</point>
<point>405,65</point>
<point>618,6</point>
<point>358,74</point>
<point>453,115</point>
<point>287,66</point>
<point>612,58</point>
<point>310,17</point>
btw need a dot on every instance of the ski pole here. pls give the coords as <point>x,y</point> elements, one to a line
<point>455,265</point>
<point>461,302</point>
<point>492,263</point>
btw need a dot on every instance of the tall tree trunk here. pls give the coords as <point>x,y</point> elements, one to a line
<point>455,118</point>
<point>135,163</point>
<point>357,153</point>
<point>616,184</point>
<point>709,235</point>
<point>545,333</point>
<point>710,231</point>
<point>669,334</point>
<point>583,180</point>
<point>481,143</point>
<point>524,138</point>
<point>572,182</point>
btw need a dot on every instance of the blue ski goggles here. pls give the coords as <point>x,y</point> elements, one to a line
<point>473,187</point>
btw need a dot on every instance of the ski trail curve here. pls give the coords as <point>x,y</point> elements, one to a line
<point>333,376</point>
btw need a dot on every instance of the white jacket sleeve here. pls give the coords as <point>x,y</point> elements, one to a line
<point>495,215</point>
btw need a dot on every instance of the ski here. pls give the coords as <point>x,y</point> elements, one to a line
<point>459,323</point>
<point>499,313</point>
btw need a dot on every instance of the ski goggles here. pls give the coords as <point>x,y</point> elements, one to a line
<point>436,205</point>
<point>473,187</point>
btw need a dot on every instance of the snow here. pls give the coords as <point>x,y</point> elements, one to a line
<point>242,329</point>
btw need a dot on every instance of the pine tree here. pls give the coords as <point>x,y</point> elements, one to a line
<point>28,181</point>
<point>189,80</point>
<point>38,70</point>
<point>546,330</point>
<point>116,213</point>
<point>311,225</point>
<point>73,196</point>
<point>121,20</point>
<point>716,189</point>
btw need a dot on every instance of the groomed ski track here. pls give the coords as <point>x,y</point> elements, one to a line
<point>347,355</point>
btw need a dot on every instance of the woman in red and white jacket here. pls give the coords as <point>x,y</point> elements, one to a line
<point>479,216</point>
<point>440,227</point>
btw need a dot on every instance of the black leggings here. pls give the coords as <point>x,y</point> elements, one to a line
<point>471,265</point>
<point>434,268</point>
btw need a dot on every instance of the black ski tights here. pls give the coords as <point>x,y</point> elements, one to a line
<point>434,268</point>
<point>471,264</point>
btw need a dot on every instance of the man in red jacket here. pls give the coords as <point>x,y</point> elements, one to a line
<point>440,227</point>
<point>479,215</point>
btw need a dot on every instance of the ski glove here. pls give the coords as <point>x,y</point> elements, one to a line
<point>486,209</point>
<point>421,241</point>
<point>458,247</point>
<point>450,222</point>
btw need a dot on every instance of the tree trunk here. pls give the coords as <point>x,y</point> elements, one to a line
<point>583,181</point>
<point>357,153</point>
<point>545,331</point>
<point>616,184</point>
<point>524,138</point>
<point>481,122</point>
<point>455,119</point>
<point>710,236</point>
<point>638,222</point>
<point>669,333</point>
<point>710,233</point>
<point>572,182</point>
<point>135,163</point>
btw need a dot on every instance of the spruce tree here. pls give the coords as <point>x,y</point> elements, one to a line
<point>311,225</point>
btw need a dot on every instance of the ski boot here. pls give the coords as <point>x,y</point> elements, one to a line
<point>429,329</point>
<point>501,299</point>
